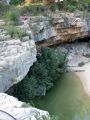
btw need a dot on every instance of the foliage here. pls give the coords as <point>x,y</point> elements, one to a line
<point>81,64</point>
<point>32,9</point>
<point>28,87</point>
<point>14,31</point>
<point>69,5</point>
<point>86,1</point>
<point>71,8</point>
<point>12,16</point>
<point>53,7</point>
<point>49,67</point>
<point>15,2</point>
<point>53,117</point>
<point>3,8</point>
<point>87,55</point>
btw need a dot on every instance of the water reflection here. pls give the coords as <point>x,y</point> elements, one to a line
<point>67,99</point>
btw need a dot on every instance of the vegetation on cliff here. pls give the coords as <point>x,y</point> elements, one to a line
<point>49,67</point>
<point>37,7</point>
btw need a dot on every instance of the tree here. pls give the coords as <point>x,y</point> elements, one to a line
<point>48,68</point>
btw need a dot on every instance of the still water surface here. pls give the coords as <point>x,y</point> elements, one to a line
<point>67,99</point>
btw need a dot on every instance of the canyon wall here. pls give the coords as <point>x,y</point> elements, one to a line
<point>16,58</point>
<point>60,27</point>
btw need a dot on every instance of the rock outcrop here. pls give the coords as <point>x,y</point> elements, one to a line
<point>60,27</point>
<point>16,58</point>
<point>12,109</point>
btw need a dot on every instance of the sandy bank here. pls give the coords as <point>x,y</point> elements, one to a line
<point>76,55</point>
<point>85,78</point>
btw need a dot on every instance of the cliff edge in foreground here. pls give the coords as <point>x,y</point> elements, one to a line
<point>12,109</point>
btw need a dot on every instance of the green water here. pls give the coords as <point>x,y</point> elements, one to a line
<point>67,99</point>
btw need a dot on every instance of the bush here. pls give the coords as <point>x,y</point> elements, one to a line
<point>28,87</point>
<point>12,16</point>
<point>32,9</point>
<point>15,31</point>
<point>81,64</point>
<point>53,117</point>
<point>87,55</point>
<point>53,7</point>
<point>48,68</point>
<point>15,2</point>
<point>3,8</point>
<point>71,8</point>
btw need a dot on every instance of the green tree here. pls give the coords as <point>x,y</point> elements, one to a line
<point>15,2</point>
<point>49,67</point>
<point>26,89</point>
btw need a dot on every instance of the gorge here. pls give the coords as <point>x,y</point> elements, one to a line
<point>18,55</point>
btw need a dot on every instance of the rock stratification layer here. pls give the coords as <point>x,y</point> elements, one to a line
<point>60,27</point>
<point>16,58</point>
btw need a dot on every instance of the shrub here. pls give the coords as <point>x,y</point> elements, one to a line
<point>81,64</point>
<point>53,7</point>
<point>53,117</point>
<point>28,87</point>
<point>32,9</point>
<point>71,8</point>
<point>12,16</point>
<point>87,55</point>
<point>15,31</point>
<point>15,2</point>
<point>3,8</point>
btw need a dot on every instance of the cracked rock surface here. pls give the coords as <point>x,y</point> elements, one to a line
<point>12,109</point>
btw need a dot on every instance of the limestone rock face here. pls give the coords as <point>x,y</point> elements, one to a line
<point>61,27</point>
<point>41,28</point>
<point>16,58</point>
<point>12,109</point>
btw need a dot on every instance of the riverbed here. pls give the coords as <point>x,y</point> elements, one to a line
<point>67,99</point>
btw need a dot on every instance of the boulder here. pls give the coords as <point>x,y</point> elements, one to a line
<point>12,109</point>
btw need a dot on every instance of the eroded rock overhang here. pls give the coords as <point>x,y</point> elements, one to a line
<point>60,27</point>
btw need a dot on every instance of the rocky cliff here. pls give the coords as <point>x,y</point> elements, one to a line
<point>16,58</point>
<point>12,109</point>
<point>60,27</point>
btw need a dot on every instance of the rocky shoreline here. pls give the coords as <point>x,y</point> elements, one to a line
<point>77,52</point>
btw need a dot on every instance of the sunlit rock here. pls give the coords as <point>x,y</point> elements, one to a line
<point>12,109</point>
<point>16,58</point>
